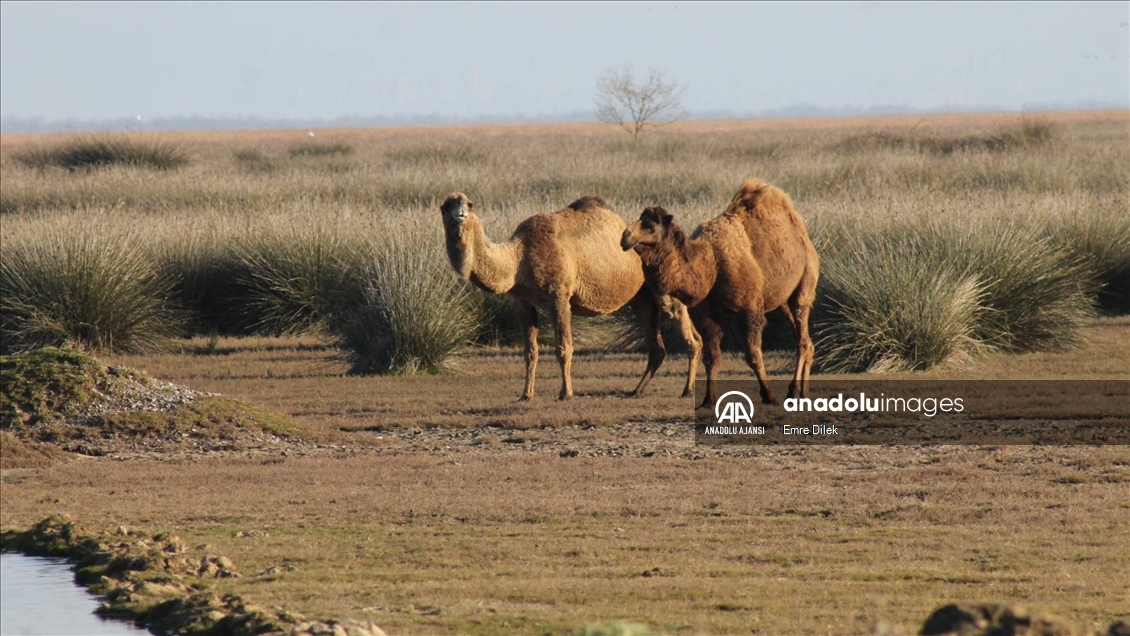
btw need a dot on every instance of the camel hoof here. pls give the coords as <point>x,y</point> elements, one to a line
<point>564,397</point>
<point>525,398</point>
<point>687,393</point>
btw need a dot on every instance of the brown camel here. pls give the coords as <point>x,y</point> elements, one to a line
<point>566,263</point>
<point>754,258</point>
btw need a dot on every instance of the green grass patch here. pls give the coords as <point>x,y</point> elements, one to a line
<point>46,382</point>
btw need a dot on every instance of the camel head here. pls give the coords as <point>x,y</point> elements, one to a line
<point>456,209</point>
<point>655,227</point>
<point>456,212</point>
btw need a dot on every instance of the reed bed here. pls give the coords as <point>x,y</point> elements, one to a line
<point>937,242</point>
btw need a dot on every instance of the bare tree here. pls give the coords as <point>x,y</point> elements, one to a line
<point>636,106</point>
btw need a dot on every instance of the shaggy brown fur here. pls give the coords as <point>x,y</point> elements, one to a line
<point>753,258</point>
<point>566,263</point>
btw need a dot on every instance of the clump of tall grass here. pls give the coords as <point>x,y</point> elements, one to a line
<point>93,152</point>
<point>915,296</point>
<point>884,311</point>
<point>1038,295</point>
<point>414,314</point>
<point>298,278</point>
<point>320,149</point>
<point>1029,133</point>
<point>1100,236</point>
<point>209,282</point>
<point>254,161</point>
<point>87,289</point>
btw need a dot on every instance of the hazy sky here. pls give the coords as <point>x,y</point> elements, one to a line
<point>295,60</point>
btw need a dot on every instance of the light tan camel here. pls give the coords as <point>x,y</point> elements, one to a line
<point>754,258</point>
<point>566,263</point>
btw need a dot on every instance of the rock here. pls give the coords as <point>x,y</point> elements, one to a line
<point>148,588</point>
<point>992,620</point>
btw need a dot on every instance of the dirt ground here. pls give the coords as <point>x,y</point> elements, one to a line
<point>440,504</point>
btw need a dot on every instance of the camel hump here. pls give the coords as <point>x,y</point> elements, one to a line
<point>586,203</point>
<point>758,197</point>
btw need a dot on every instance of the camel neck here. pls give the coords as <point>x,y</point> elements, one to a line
<point>686,274</point>
<point>490,267</point>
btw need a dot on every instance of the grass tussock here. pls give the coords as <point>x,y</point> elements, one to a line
<point>92,290</point>
<point>916,296</point>
<point>414,314</point>
<point>1100,237</point>
<point>298,278</point>
<point>886,313</point>
<point>1030,133</point>
<point>210,282</point>
<point>108,150</point>
<point>254,161</point>
<point>321,149</point>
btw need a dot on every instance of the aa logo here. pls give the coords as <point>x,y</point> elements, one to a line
<point>738,409</point>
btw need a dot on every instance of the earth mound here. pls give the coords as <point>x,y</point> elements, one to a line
<point>57,401</point>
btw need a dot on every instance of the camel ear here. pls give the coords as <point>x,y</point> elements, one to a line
<point>470,205</point>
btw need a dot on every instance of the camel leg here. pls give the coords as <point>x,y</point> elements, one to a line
<point>801,305</point>
<point>647,312</point>
<point>805,351</point>
<point>529,316</point>
<point>711,331</point>
<point>563,328</point>
<point>754,325</point>
<point>694,344</point>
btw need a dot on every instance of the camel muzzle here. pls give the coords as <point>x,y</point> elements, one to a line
<point>627,241</point>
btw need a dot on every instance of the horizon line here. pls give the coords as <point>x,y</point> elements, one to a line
<point>15,124</point>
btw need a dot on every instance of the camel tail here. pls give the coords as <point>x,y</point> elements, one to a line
<point>587,203</point>
<point>758,197</point>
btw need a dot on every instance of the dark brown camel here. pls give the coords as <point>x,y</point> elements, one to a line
<point>753,258</point>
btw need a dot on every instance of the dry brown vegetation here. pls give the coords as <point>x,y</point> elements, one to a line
<point>274,232</point>
<point>437,504</point>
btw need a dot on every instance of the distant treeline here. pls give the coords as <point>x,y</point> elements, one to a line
<point>16,124</point>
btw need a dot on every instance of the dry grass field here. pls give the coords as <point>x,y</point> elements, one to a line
<point>439,504</point>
